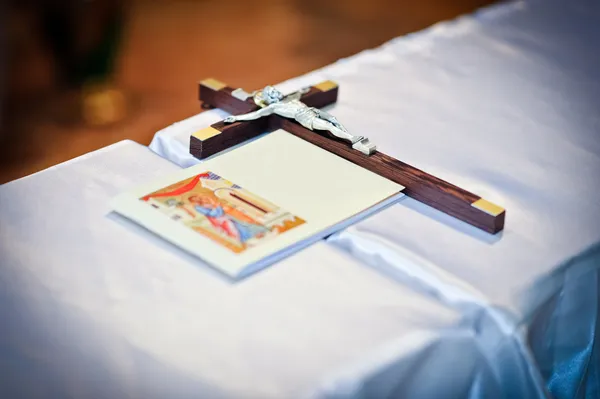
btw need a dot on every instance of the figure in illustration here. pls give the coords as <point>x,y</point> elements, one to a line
<point>231,226</point>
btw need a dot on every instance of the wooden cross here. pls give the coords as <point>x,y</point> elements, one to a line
<point>420,185</point>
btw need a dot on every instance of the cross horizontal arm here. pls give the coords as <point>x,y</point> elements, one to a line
<point>216,138</point>
<point>218,95</point>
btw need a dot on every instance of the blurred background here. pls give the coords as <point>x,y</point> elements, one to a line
<point>77,75</point>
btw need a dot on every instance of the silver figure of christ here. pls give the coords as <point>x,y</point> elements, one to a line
<point>273,101</point>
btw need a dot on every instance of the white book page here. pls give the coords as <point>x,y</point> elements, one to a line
<point>310,183</point>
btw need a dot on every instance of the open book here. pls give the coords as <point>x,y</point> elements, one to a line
<point>250,207</point>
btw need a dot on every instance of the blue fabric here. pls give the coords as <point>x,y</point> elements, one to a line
<point>567,350</point>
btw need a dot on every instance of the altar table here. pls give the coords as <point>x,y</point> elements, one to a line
<point>503,103</point>
<point>92,305</point>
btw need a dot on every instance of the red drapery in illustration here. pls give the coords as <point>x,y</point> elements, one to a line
<point>179,191</point>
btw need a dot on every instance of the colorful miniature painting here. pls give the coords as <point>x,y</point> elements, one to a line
<point>222,211</point>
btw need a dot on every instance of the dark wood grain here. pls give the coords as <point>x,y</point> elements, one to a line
<point>420,185</point>
<point>319,99</point>
<point>231,134</point>
<point>224,100</point>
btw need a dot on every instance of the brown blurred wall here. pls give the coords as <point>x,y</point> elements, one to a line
<point>168,45</point>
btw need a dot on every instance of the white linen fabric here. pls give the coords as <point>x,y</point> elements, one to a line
<point>503,103</point>
<point>92,305</point>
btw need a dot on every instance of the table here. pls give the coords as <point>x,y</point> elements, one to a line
<point>504,104</point>
<point>94,306</point>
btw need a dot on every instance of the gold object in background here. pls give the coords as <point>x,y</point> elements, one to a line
<point>103,105</point>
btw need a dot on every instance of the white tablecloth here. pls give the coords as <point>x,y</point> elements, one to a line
<point>92,305</point>
<point>504,104</point>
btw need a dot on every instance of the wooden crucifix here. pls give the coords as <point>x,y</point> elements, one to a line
<point>418,184</point>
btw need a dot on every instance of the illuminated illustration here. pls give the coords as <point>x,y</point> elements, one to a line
<point>222,211</point>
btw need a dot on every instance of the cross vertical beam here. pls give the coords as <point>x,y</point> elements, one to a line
<point>420,185</point>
